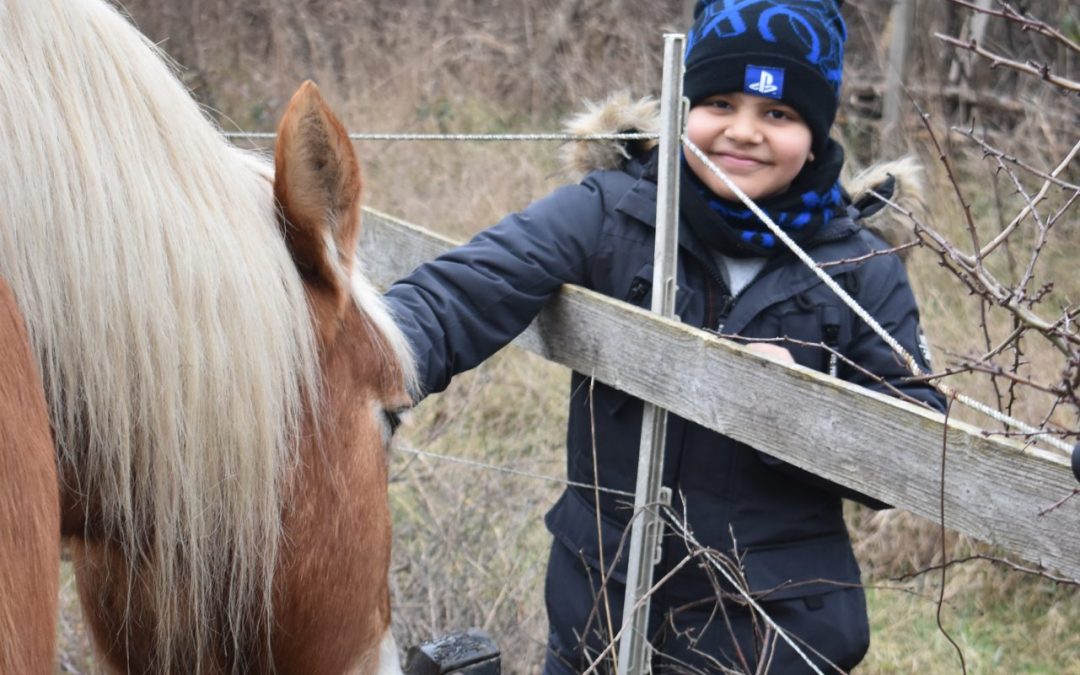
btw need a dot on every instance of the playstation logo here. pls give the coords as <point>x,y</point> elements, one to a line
<point>765,84</point>
<point>764,81</point>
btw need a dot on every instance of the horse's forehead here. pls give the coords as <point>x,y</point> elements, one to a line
<point>394,352</point>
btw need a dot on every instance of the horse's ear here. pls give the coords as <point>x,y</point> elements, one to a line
<point>317,185</point>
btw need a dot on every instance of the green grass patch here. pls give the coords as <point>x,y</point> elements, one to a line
<point>1002,622</point>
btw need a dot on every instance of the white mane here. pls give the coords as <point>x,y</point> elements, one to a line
<point>169,321</point>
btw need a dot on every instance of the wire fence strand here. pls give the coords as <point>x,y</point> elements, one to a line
<point>1035,433</point>
<point>254,135</point>
<point>521,473</point>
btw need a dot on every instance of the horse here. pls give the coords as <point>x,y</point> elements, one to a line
<point>221,382</point>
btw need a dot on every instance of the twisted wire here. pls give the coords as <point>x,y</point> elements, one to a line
<point>893,344</point>
<point>253,135</point>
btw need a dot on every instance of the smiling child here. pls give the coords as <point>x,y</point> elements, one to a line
<point>763,79</point>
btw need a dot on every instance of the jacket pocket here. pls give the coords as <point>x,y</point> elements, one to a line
<point>639,291</point>
<point>815,332</point>
<point>573,522</point>
<point>801,569</point>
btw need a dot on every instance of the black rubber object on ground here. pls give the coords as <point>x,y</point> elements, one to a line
<point>470,652</point>
<point>1076,461</point>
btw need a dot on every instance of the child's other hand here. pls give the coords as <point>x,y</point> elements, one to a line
<point>773,351</point>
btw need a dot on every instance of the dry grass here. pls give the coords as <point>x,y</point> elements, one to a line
<point>73,637</point>
<point>470,545</point>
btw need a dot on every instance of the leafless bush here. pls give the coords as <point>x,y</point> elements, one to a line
<point>1012,232</point>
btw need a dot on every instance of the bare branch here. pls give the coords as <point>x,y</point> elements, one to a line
<point>1038,198</point>
<point>994,152</point>
<point>873,254</point>
<point>876,379</point>
<point>1057,505</point>
<point>943,157</point>
<point>1040,70</point>
<point>1026,22</point>
<point>941,597</point>
<point>987,558</point>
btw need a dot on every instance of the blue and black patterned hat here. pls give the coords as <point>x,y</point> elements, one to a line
<point>790,50</point>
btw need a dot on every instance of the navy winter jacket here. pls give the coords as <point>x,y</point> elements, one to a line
<point>462,307</point>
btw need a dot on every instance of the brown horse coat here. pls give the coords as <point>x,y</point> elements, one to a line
<point>220,380</point>
<point>29,505</point>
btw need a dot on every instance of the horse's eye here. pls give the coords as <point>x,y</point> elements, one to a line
<point>393,419</point>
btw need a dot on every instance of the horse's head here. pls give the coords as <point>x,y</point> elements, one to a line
<point>334,587</point>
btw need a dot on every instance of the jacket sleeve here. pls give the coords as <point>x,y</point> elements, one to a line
<point>884,291</point>
<point>462,307</point>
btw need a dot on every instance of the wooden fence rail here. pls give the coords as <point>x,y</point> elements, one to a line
<point>994,490</point>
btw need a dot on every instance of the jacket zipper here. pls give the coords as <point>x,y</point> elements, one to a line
<point>830,330</point>
<point>717,309</point>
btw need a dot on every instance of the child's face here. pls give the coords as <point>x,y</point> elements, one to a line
<point>760,143</point>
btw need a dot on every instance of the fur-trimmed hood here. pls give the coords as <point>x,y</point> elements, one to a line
<point>620,113</point>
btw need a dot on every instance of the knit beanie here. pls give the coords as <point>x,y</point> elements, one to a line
<point>790,50</point>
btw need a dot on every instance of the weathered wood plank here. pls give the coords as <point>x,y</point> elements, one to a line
<point>889,449</point>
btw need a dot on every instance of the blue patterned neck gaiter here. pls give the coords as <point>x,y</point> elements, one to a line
<point>812,200</point>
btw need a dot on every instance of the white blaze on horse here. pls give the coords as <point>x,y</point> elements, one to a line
<point>219,379</point>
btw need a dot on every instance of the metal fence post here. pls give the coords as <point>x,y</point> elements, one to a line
<point>646,530</point>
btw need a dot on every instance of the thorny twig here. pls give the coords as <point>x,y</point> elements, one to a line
<point>1017,299</point>
<point>1051,177</point>
<point>1011,227</point>
<point>1041,70</point>
<point>972,271</point>
<point>873,254</point>
<point>1058,504</point>
<point>994,370</point>
<point>1026,22</point>
<point>628,611</point>
<point>871,378</point>
<point>603,595</point>
<point>987,558</point>
<point>734,577</point>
